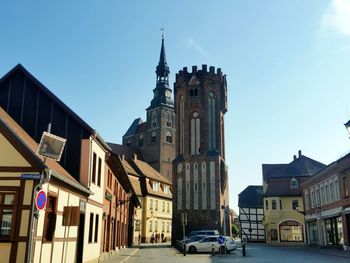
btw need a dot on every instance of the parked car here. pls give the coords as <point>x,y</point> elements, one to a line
<point>208,243</point>
<point>203,233</point>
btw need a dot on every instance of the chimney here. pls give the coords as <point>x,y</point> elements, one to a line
<point>294,157</point>
<point>299,153</point>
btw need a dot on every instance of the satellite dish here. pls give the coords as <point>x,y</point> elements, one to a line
<point>51,146</point>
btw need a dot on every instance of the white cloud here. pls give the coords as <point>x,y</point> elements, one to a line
<point>191,43</point>
<point>337,17</point>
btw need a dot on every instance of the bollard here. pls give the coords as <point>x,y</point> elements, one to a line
<point>184,249</point>
<point>243,249</point>
<point>213,251</point>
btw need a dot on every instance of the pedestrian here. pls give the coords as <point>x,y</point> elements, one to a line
<point>152,238</point>
<point>162,237</point>
<point>139,239</point>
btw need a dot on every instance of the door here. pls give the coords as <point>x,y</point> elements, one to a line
<point>80,246</point>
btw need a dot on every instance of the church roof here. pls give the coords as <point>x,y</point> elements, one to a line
<point>162,68</point>
<point>133,127</point>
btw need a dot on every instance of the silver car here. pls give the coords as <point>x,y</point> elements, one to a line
<point>210,243</point>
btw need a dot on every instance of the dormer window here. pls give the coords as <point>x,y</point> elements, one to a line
<point>155,186</point>
<point>294,184</point>
<point>166,189</point>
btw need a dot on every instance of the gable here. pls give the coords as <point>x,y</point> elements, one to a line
<point>9,156</point>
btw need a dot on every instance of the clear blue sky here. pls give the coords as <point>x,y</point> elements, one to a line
<point>287,65</point>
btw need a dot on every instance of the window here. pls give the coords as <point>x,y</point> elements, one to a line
<point>141,140</point>
<point>169,119</point>
<point>280,204</point>
<point>50,218</point>
<point>151,204</point>
<point>212,126</point>
<point>109,178</point>
<point>166,189</point>
<point>156,226</point>
<point>163,206</point>
<point>295,204</point>
<point>312,198</point>
<point>273,205</point>
<point>267,204</point>
<point>317,197</point>
<point>331,191</point>
<point>93,176</point>
<point>346,186</point>
<point>96,227</point>
<point>321,195</point>
<point>150,226</point>
<point>163,226</point>
<point>8,200</point>
<point>156,208</point>
<point>294,184</point>
<point>168,207</point>
<point>336,189</point>
<point>153,137</point>
<point>137,225</point>
<point>195,134</point>
<point>307,206</point>
<point>193,92</point>
<point>155,186</point>
<point>168,228</point>
<point>169,137</point>
<point>326,193</point>
<point>154,119</point>
<point>91,226</point>
<point>99,172</point>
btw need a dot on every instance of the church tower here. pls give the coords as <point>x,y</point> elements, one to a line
<point>155,138</point>
<point>200,186</point>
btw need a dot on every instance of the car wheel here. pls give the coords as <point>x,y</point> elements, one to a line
<point>192,250</point>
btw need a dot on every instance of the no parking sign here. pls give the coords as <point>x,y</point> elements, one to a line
<point>40,200</point>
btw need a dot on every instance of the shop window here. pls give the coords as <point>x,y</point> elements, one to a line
<point>50,218</point>
<point>8,200</point>
<point>291,231</point>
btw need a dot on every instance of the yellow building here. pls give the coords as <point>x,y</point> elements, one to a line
<point>22,174</point>
<point>283,203</point>
<point>153,219</point>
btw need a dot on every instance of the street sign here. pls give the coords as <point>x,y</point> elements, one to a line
<point>40,200</point>
<point>30,176</point>
<point>51,146</point>
<point>221,240</point>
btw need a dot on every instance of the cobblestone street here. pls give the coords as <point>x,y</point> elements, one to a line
<point>255,253</point>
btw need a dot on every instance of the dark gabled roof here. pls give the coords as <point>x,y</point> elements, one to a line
<point>301,166</point>
<point>251,197</point>
<point>280,186</point>
<point>133,127</point>
<point>45,90</point>
<point>127,151</point>
<point>18,136</point>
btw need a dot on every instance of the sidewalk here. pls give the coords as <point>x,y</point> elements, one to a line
<point>124,254</point>
<point>329,251</point>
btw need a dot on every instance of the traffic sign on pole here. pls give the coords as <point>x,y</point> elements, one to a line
<point>40,200</point>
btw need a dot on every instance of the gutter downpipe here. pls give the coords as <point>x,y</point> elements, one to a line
<point>35,213</point>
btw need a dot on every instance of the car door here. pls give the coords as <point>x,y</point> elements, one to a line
<point>209,243</point>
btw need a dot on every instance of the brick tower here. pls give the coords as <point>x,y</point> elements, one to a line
<point>155,138</point>
<point>200,184</point>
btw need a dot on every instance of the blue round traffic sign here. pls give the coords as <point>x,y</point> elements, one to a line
<point>221,240</point>
<point>40,200</point>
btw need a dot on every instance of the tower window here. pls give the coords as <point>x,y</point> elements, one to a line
<point>141,140</point>
<point>153,137</point>
<point>154,119</point>
<point>194,92</point>
<point>169,120</point>
<point>169,137</point>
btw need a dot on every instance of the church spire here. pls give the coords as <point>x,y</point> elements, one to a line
<point>162,92</point>
<point>162,68</point>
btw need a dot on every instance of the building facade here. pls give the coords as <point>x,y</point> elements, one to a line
<point>251,214</point>
<point>155,138</point>
<point>327,205</point>
<point>200,180</point>
<point>23,174</point>
<point>283,202</point>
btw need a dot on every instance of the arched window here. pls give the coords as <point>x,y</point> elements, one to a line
<point>169,119</point>
<point>169,137</point>
<point>153,137</point>
<point>195,134</point>
<point>294,184</point>
<point>154,119</point>
<point>193,92</point>
<point>211,122</point>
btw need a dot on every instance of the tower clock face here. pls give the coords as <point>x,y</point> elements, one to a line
<point>167,93</point>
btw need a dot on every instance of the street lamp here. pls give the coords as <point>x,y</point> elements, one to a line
<point>121,202</point>
<point>347,126</point>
